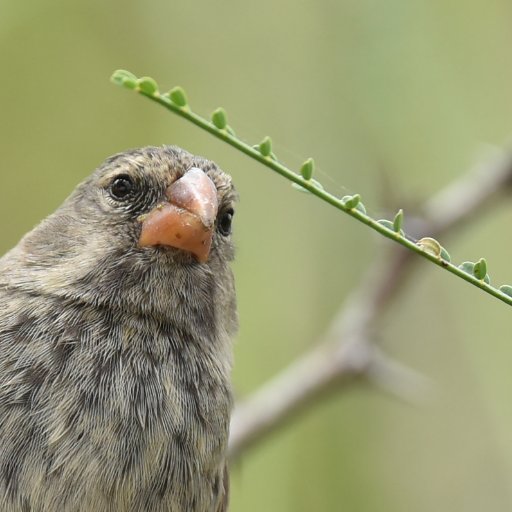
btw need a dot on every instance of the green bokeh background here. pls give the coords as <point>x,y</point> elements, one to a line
<point>394,100</point>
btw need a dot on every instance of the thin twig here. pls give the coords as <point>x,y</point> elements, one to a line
<point>345,353</point>
<point>176,102</point>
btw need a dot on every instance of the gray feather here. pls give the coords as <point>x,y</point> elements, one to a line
<point>115,360</point>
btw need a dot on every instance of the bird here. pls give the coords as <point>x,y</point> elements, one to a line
<point>117,318</point>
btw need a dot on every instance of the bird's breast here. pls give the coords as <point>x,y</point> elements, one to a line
<point>110,411</point>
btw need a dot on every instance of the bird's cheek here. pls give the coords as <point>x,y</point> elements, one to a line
<point>172,226</point>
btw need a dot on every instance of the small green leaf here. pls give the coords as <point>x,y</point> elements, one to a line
<point>296,186</point>
<point>317,184</point>
<point>219,118</point>
<point>178,97</point>
<point>398,220</point>
<point>265,146</point>
<point>351,202</point>
<point>360,207</point>
<point>431,245</point>
<point>147,85</point>
<point>386,223</point>
<point>129,83</point>
<point>121,76</point>
<point>313,182</point>
<point>390,225</point>
<point>468,267</point>
<point>506,289</point>
<point>480,269</point>
<point>445,255</point>
<point>307,169</point>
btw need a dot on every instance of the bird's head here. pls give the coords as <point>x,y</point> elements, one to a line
<point>145,225</point>
<point>162,201</point>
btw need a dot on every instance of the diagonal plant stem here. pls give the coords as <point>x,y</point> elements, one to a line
<point>176,102</point>
<point>345,354</point>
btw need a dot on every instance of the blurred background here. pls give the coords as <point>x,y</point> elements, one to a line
<point>394,100</point>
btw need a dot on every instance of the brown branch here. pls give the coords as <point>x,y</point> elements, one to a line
<point>345,353</point>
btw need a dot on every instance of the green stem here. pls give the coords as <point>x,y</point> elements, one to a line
<point>312,186</point>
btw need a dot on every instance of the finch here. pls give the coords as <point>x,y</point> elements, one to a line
<point>117,314</point>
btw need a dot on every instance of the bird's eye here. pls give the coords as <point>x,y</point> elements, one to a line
<point>224,222</point>
<point>121,187</point>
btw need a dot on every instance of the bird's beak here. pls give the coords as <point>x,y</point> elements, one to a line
<point>186,219</point>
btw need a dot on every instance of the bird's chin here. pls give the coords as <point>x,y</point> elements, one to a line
<point>172,255</point>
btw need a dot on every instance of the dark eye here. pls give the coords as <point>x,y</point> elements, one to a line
<point>224,222</point>
<point>121,187</point>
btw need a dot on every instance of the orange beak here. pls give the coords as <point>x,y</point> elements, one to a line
<point>186,220</point>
